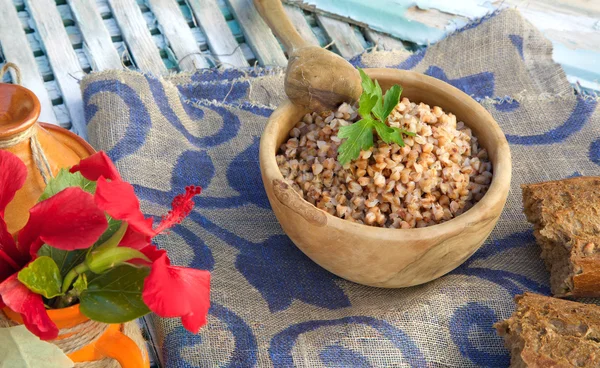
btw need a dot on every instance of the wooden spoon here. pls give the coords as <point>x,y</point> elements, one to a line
<point>316,78</point>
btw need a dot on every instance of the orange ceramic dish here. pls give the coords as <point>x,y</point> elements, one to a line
<point>112,344</point>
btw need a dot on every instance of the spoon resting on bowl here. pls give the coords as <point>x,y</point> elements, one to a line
<point>316,79</point>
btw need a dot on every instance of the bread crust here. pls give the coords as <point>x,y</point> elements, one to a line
<point>566,218</point>
<point>550,332</point>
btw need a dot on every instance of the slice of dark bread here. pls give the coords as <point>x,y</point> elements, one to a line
<point>566,219</point>
<point>551,332</point>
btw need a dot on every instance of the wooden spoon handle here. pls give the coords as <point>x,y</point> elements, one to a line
<point>273,13</point>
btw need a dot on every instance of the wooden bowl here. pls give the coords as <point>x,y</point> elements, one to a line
<point>382,257</point>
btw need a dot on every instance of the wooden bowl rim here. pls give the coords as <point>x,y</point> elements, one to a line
<point>496,194</point>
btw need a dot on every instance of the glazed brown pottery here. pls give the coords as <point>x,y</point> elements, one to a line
<point>384,257</point>
<point>19,111</point>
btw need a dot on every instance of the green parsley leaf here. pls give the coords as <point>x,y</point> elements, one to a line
<point>367,84</point>
<point>384,132</point>
<point>392,96</point>
<point>366,104</point>
<point>360,137</point>
<point>395,136</point>
<point>371,104</point>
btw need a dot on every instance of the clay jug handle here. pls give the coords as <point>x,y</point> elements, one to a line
<point>114,344</point>
<point>273,13</point>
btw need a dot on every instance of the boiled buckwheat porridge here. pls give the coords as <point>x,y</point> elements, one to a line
<point>439,173</point>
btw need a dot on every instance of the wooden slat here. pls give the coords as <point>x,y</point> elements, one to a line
<point>220,39</point>
<point>97,41</point>
<point>257,34</point>
<point>177,32</point>
<point>139,41</point>
<point>384,42</point>
<point>61,56</point>
<point>62,115</point>
<point>15,48</point>
<point>297,18</point>
<point>342,34</point>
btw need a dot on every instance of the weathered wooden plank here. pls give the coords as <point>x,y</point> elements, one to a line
<point>219,37</point>
<point>248,54</point>
<point>53,90</point>
<point>97,41</point>
<point>384,42</point>
<point>257,34</point>
<point>342,34</point>
<point>135,33</point>
<point>181,40</point>
<point>63,59</point>
<point>62,115</point>
<point>15,48</point>
<point>297,18</point>
<point>103,8</point>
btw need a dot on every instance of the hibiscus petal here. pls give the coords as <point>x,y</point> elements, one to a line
<point>118,199</point>
<point>181,206</point>
<point>13,173</point>
<point>30,306</point>
<point>97,165</point>
<point>134,239</point>
<point>11,258</point>
<point>172,291</point>
<point>150,251</point>
<point>68,220</point>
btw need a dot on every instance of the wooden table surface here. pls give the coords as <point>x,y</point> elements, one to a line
<point>56,41</point>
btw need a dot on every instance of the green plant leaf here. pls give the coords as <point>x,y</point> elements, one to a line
<point>19,348</point>
<point>392,96</point>
<point>80,284</point>
<point>42,276</point>
<point>65,260</point>
<point>378,109</point>
<point>366,82</point>
<point>366,104</point>
<point>385,132</point>
<point>104,258</point>
<point>64,180</point>
<point>359,137</point>
<point>115,296</point>
<point>113,226</point>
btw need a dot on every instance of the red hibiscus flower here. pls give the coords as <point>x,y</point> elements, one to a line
<point>69,220</point>
<point>73,219</point>
<point>172,291</point>
<point>169,291</point>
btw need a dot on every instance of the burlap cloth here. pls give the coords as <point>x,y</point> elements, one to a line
<point>271,305</point>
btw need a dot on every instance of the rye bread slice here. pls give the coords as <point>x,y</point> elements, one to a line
<point>551,332</point>
<point>566,219</point>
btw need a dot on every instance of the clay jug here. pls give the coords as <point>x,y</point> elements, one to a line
<point>44,148</point>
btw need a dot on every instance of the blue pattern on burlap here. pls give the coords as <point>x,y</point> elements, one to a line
<point>517,40</point>
<point>271,305</point>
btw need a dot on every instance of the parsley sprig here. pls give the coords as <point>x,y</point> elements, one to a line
<point>374,108</point>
